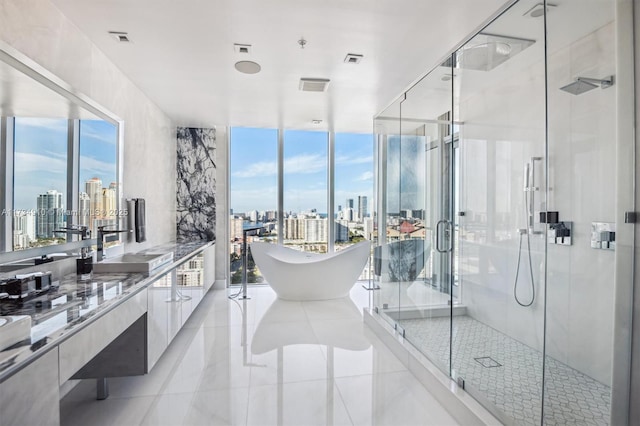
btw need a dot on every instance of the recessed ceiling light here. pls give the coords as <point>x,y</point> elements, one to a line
<point>316,122</point>
<point>242,48</point>
<point>352,58</point>
<point>248,67</point>
<point>120,36</point>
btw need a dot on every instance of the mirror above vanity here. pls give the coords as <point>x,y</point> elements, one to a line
<point>61,175</point>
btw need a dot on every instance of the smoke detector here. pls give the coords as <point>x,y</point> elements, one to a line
<point>314,84</point>
<point>352,58</point>
<point>120,36</point>
<point>242,48</point>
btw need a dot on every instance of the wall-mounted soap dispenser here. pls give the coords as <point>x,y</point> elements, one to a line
<point>84,265</point>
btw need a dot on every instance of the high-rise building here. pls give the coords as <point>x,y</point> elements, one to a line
<point>368,228</point>
<point>349,204</point>
<point>50,214</point>
<point>293,228</point>
<point>25,223</point>
<point>363,211</point>
<point>348,214</point>
<point>84,207</point>
<point>24,230</point>
<point>108,202</point>
<point>236,227</point>
<point>253,215</point>
<point>93,188</point>
<point>342,230</point>
<point>315,230</point>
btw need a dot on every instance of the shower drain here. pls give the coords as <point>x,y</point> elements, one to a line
<point>487,362</point>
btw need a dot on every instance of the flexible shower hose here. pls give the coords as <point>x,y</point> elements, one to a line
<point>515,281</point>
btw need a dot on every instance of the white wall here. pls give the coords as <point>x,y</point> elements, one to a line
<point>503,128</point>
<point>39,30</point>
<point>222,207</point>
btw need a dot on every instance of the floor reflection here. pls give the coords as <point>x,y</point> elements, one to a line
<point>269,362</point>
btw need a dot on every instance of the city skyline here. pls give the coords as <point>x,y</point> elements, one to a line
<point>43,141</point>
<point>40,176</point>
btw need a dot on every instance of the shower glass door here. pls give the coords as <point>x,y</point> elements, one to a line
<point>426,217</point>
<point>499,108</point>
<point>388,136</point>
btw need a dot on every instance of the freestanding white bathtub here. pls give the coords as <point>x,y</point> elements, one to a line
<point>298,275</point>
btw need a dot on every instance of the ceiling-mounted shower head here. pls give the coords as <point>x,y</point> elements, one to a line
<point>584,84</point>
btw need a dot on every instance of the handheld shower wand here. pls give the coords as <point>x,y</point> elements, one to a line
<point>529,189</point>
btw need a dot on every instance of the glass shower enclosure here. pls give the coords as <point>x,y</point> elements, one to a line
<point>503,178</point>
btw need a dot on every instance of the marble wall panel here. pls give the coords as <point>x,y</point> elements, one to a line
<point>196,184</point>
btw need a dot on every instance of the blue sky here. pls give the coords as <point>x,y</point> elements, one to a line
<point>253,169</point>
<point>41,156</point>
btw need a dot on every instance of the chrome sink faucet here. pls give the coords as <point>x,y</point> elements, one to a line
<point>81,230</point>
<point>102,233</point>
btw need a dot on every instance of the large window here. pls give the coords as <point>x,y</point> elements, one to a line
<point>40,181</point>
<point>98,186</point>
<point>43,211</point>
<point>305,190</point>
<point>353,193</point>
<point>253,195</point>
<point>305,219</point>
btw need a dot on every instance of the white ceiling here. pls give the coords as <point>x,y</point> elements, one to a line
<point>182,54</point>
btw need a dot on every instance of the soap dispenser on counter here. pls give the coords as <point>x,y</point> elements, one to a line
<point>84,265</point>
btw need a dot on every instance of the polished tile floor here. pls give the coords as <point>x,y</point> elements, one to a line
<point>269,362</point>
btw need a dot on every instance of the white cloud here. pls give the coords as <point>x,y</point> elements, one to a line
<point>265,168</point>
<point>345,159</point>
<point>299,164</point>
<point>365,176</point>
<point>305,164</point>
<point>29,162</point>
<point>54,124</point>
<point>88,164</point>
<point>89,132</point>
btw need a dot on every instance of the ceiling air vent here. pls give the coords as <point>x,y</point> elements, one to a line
<point>352,58</point>
<point>313,84</point>
<point>120,36</point>
<point>242,48</point>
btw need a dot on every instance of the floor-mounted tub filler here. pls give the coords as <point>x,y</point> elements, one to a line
<point>298,275</point>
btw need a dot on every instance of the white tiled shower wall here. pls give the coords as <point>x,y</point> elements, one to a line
<point>582,182</point>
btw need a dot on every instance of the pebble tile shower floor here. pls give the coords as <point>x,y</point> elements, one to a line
<point>509,373</point>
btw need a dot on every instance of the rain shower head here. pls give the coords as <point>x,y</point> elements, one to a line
<point>584,84</point>
<point>486,51</point>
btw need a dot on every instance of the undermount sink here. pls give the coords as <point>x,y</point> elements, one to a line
<point>133,262</point>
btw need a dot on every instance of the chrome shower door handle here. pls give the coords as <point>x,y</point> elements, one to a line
<point>438,232</point>
<point>450,235</point>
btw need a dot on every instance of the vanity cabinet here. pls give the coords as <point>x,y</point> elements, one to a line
<point>126,337</point>
<point>31,396</point>
<point>172,299</point>
<point>82,347</point>
<point>158,306</point>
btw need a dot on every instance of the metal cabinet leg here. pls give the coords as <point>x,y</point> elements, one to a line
<point>102,389</point>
